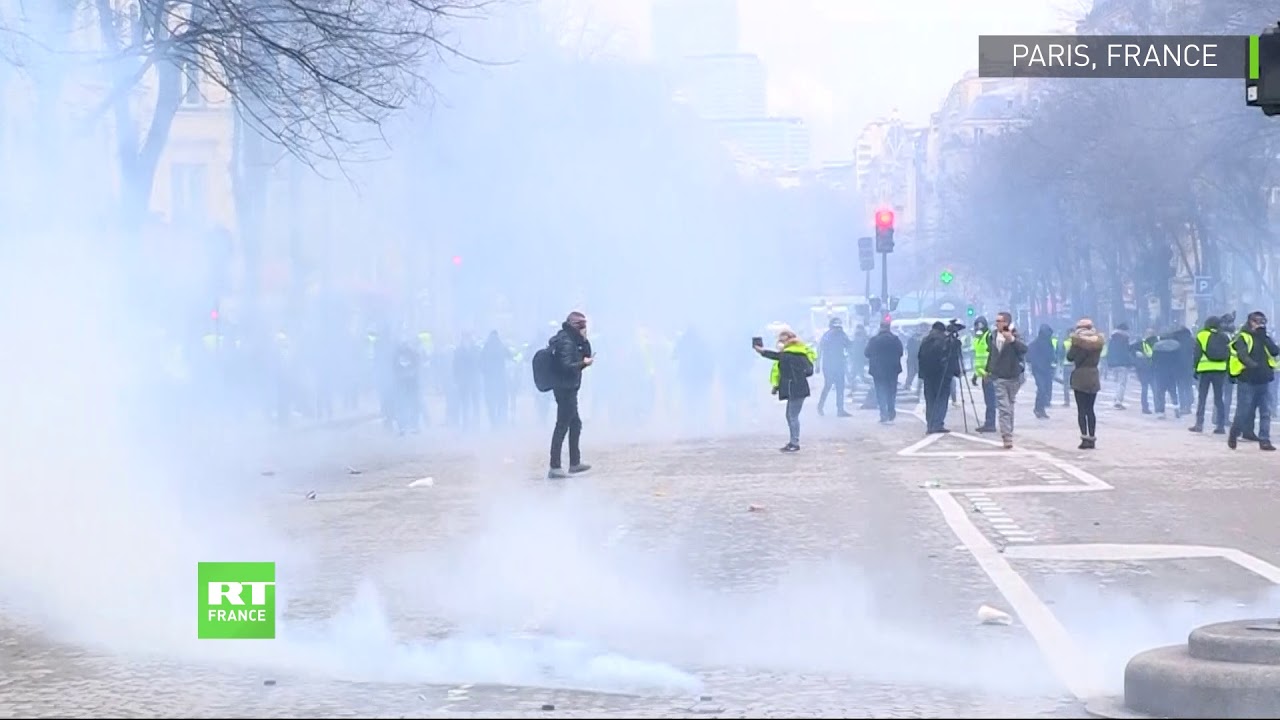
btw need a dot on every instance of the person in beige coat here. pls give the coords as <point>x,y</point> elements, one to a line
<point>1086,383</point>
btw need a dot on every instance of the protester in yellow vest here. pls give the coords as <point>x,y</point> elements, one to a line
<point>1213,352</point>
<point>792,367</point>
<point>981,343</point>
<point>1254,368</point>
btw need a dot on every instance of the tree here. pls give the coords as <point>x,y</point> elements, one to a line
<point>317,77</point>
<point>1116,188</point>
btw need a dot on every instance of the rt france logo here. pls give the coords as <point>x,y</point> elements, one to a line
<point>236,601</point>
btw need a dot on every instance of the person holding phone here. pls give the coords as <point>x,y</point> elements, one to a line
<point>793,363</point>
<point>1006,366</point>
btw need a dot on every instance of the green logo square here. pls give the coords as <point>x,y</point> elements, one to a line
<point>236,601</point>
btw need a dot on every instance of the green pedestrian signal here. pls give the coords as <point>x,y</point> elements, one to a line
<point>969,311</point>
<point>946,277</point>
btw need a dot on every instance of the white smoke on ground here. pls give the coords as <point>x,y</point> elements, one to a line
<point>101,534</point>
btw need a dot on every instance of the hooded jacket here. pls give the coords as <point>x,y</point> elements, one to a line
<point>1041,355</point>
<point>1119,352</point>
<point>833,350</point>
<point>792,368</point>
<point>1084,355</point>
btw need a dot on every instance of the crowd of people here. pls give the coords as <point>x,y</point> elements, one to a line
<point>1204,373</point>
<point>1200,375</point>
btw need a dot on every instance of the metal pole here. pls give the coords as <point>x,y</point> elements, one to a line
<point>866,293</point>
<point>884,280</point>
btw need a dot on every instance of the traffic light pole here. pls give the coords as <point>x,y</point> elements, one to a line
<point>884,279</point>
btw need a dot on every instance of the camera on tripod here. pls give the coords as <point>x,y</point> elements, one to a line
<point>954,327</point>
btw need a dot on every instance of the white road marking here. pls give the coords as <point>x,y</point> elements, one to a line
<point>1066,660</point>
<point>1112,552</point>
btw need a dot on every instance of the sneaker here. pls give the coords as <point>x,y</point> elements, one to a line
<point>556,474</point>
<point>579,468</point>
<point>1219,431</point>
<point>1196,428</point>
<point>1119,406</point>
<point>986,429</point>
<point>789,448</point>
<point>1008,442</point>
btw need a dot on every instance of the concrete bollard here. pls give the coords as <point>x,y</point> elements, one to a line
<point>1226,670</point>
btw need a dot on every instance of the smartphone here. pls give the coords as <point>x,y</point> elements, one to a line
<point>757,341</point>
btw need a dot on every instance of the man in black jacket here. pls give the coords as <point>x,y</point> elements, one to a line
<point>833,361</point>
<point>1257,354</point>
<point>572,353</point>
<point>1120,361</point>
<point>884,365</point>
<point>939,363</point>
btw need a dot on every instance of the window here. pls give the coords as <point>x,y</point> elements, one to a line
<point>189,194</point>
<point>189,80</point>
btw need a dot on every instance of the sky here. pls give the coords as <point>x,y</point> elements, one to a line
<point>843,63</point>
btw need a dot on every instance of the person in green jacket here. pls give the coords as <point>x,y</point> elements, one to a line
<point>792,367</point>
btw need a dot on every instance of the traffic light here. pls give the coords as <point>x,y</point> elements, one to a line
<point>893,303</point>
<point>875,304</point>
<point>946,278</point>
<point>969,311</point>
<point>457,261</point>
<point>866,254</point>
<point>884,231</point>
<point>1262,88</point>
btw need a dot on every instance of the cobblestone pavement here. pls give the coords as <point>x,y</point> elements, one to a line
<point>681,577</point>
<point>1185,535</point>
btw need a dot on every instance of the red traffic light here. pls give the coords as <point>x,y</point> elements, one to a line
<point>213,314</point>
<point>884,219</point>
<point>457,260</point>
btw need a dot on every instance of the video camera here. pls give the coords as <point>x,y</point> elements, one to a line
<point>954,327</point>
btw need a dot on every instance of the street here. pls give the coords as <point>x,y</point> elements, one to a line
<point>695,576</point>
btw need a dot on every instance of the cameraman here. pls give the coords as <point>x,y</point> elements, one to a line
<point>939,362</point>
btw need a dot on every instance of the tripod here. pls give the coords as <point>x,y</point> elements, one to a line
<point>955,359</point>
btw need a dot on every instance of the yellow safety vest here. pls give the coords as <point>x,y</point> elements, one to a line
<point>1147,349</point>
<point>1236,365</point>
<point>981,351</point>
<point>1066,348</point>
<point>1204,364</point>
<point>775,374</point>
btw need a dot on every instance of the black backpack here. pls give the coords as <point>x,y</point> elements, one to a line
<point>1218,347</point>
<point>544,369</point>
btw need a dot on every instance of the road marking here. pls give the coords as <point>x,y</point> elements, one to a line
<point>1061,653</point>
<point>1113,552</point>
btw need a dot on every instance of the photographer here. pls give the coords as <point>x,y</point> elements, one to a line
<point>792,367</point>
<point>1006,367</point>
<point>939,364</point>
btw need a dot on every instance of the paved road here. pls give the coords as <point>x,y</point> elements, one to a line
<point>1173,530</point>
<point>842,581</point>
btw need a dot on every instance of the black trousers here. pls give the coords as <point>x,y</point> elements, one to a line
<point>1217,381</point>
<point>568,422</point>
<point>1085,416</point>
